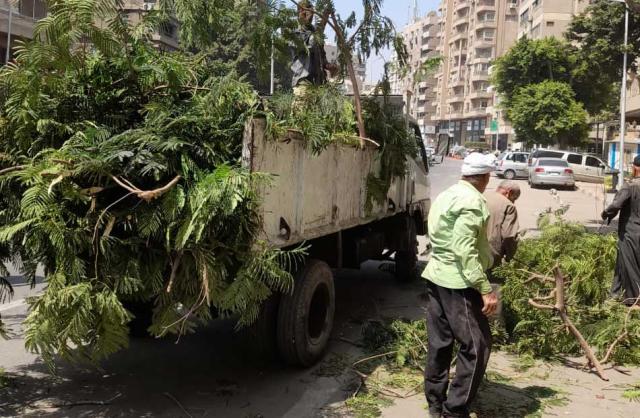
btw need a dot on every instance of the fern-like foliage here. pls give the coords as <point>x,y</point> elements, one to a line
<point>588,261</point>
<point>89,109</point>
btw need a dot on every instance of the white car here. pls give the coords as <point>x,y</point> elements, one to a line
<point>588,168</point>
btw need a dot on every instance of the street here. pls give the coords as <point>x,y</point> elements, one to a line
<point>212,374</point>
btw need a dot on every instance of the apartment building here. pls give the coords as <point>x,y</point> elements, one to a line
<point>332,52</point>
<point>421,39</point>
<point>472,34</point>
<point>541,18</point>
<point>16,22</point>
<point>166,37</point>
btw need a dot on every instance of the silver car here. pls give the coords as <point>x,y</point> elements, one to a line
<point>551,172</point>
<point>512,165</point>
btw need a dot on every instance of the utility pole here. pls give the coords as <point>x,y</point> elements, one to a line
<point>8,52</point>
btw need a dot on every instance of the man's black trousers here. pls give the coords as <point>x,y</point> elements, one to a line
<point>455,315</point>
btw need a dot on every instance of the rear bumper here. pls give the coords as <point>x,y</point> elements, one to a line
<point>553,180</point>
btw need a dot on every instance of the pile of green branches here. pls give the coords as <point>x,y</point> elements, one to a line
<point>587,260</point>
<point>322,115</point>
<point>121,177</point>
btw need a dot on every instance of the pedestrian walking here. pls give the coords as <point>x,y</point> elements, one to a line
<point>459,296</point>
<point>626,282</point>
<point>503,227</point>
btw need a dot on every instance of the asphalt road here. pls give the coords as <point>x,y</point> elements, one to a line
<point>213,373</point>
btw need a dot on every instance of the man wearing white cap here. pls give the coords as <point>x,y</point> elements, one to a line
<point>459,294</point>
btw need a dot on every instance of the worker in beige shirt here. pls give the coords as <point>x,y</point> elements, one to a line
<point>503,226</point>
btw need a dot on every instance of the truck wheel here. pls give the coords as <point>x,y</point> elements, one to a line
<point>407,259</point>
<point>509,174</point>
<point>305,317</point>
<point>406,265</point>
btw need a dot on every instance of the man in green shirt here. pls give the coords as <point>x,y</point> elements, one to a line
<point>459,294</point>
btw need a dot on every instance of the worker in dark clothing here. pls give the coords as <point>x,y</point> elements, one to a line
<point>626,282</point>
<point>309,60</point>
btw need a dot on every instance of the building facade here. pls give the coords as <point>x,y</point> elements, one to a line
<point>542,18</point>
<point>416,87</point>
<point>166,37</point>
<point>17,20</point>
<point>473,33</point>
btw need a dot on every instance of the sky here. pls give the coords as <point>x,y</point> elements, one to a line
<point>399,11</point>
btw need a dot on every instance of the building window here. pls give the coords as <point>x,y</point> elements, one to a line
<point>551,23</point>
<point>524,17</point>
<point>535,32</point>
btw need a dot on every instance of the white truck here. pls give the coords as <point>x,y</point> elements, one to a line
<point>321,200</point>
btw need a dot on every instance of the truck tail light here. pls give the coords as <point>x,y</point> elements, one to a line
<point>568,171</point>
<point>539,170</point>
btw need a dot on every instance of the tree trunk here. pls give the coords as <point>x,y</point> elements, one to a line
<point>347,54</point>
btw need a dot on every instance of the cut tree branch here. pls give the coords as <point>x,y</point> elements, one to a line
<point>561,310</point>
<point>146,195</point>
<point>12,169</point>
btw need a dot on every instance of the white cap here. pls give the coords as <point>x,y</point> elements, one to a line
<point>476,164</point>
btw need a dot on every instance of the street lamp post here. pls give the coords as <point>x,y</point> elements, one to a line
<point>623,94</point>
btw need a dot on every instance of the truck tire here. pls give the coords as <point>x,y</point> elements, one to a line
<point>407,258</point>
<point>305,317</point>
<point>406,265</point>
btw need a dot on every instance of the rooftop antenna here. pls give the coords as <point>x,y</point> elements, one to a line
<point>416,11</point>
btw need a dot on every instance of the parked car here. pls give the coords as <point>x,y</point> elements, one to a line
<point>512,165</point>
<point>551,172</point>
<point>586,167</point>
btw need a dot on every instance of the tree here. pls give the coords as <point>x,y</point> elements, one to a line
<point>370,35</point>
<point>599,35</point>
<point>547,113</point>
<point>120,178</point>
<point>533,61</point>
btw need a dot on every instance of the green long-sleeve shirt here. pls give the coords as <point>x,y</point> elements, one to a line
<point>458,232</point>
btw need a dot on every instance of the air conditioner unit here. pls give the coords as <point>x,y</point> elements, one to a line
<point>513,5</point>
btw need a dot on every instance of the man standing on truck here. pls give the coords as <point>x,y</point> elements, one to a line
<point>626,282</point>
<point>309,60</point>
<point>459,296</point>
<point>503,222</point>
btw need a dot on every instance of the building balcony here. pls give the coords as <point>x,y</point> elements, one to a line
<point>480,76</point>
<point>484,7</point>
<point>455,115</point>
<point>458,82</point>
<point>456,98</point>
<point>476,112</point>
<point>484,42</point>
<point>458,36</point>
<point>460,21</point>
<point>461,5</point>
<point>485,24</point>
<point>480,94</point>
<point>481,60</point>
<point>21,25</point>
<point>458,52</point>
